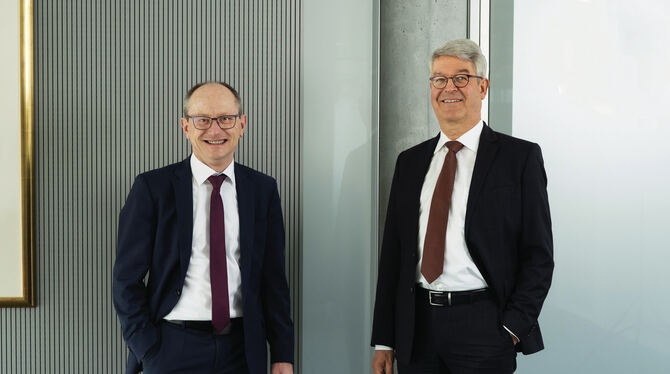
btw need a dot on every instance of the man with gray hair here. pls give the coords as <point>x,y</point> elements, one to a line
<point>467,253</point>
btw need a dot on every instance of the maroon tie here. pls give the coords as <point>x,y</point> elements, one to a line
<point>434,247</point>
<point>218,270</point>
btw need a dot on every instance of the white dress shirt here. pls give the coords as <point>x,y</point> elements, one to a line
<point>459,271</point>
<point>195,303</point>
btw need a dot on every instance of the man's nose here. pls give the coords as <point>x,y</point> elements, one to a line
<point>215,127</point>
<point>451,86</point>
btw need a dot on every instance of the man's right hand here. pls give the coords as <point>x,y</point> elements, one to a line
<point>382,360</point>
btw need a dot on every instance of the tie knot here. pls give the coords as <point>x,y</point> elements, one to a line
<point>216,180</point>
<point>454,146</point>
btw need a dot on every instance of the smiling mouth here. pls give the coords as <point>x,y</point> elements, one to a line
<point>448,101</point>
<point>216,142</point>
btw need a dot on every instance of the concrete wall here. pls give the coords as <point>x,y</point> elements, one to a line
<point>409,32</point>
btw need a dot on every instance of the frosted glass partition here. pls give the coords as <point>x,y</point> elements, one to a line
<point>339,142</point>
<point>592,86</point>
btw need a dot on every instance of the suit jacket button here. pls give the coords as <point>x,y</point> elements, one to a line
<point>411,290</point>
<point>178,292</point>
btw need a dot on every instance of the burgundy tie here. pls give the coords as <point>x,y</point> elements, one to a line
<point>218,270</point>
<point>434,246</point>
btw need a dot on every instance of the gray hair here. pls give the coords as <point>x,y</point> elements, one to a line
<point>190,92</point>
<point>465,49</point>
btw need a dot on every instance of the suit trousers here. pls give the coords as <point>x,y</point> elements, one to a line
<point>460,339</point>
<point>185,350</point>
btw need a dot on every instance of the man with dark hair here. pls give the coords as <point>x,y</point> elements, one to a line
<point>467,254</point>
<point>210,233</point>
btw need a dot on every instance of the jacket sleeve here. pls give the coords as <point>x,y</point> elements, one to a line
<point>275,291</point>
<point>536,264</point>
<point>135,242</point>
<point>383,324</point>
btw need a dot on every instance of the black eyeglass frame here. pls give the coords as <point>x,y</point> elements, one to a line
<point>453,78</point>
<point>219,121</point>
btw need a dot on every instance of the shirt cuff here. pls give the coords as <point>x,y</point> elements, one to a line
<point>382,348</point>
<point>513,334</point>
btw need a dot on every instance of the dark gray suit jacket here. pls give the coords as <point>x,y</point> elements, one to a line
<point>507,230</point>
<point>155,231</point>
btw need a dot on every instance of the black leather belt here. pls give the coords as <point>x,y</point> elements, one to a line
<point>451,298</point>
<point>206,326</point>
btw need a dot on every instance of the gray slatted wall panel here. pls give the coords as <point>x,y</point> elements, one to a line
<point>110,76</point>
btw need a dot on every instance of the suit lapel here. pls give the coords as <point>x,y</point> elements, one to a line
<point>488,147</point>
<point>183,191</point>
<point>245,207</point>
<point>416,177</point>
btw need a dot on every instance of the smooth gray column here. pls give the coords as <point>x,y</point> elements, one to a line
<point>501,60</point>
<point>339,200</point>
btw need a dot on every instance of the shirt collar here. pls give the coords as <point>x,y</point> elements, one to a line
<point>201,171</point>
<point>469,140</point>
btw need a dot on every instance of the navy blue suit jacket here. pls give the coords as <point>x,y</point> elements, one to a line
<point>155,232</point>
<point>507,230</point>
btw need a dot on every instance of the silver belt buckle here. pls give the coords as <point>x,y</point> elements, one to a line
<point>430,298</point>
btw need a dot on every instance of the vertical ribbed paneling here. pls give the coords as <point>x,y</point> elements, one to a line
<point>109,81</point>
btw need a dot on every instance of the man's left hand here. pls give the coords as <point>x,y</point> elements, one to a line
<point>514,339</point>
<point>282,368</point>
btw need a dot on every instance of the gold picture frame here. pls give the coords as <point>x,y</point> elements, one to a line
<point>26,275</point>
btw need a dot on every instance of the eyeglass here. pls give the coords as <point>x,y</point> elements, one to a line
<point>460,80</point>
<point>226,121</point>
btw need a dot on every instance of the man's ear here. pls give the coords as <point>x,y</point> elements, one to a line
<point>243,124</point>
<point>484,87</point>
<point>184,125</point>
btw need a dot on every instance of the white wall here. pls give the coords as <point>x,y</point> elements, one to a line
<point>592,87</point>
